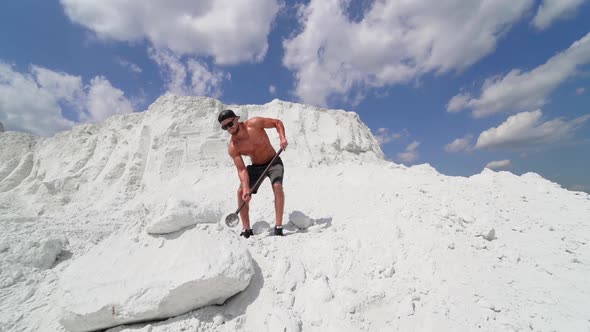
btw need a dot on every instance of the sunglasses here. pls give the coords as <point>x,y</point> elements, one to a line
<point>228,125</point>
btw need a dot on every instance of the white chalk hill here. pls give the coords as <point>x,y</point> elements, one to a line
<point>144,159</point>
<point>117,223</point>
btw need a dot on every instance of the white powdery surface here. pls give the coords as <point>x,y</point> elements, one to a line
<point>124,280</point>
<point>369,245</point>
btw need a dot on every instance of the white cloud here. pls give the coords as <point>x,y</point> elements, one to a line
<point>272,90</point>
<point>413,146</point>
<point>203,81</point>
<point>410,154</point>
<point>60,85</point>
<point>458,102</point>
<point>385,135</point>
<point>395,42</point>
<point>104,100</point>
<point>499,164</point>
<point>552,10</point>
<point>525,91</point>
<point>173,70</point>
<point>460,144</point>
<point>580,91</point>
<point>130,65</point>
<point>229,31</point>
<point>34,102</point>
<point>194,78</point>
<point>25,106</point>
<point>527,129</point>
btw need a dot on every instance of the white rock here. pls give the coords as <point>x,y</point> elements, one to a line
<point>179,214</point>
<point>121,281</point>
<point>39,254</point>
<point>218,319</point>
<point>300,220</point>
<point>490,236</point>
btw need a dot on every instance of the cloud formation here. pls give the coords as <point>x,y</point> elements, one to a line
<point>229,31</point>
<point>192,78</point>
<point>460,144</point>
<point>35,102</point>
<point>129,65</point>
<point>528,129</point>
<point>103,100</point>
<point>525,91</point>
<point>385,135</point>
<point>394,42</point>
<point>499,164</point>
<point>551,10</point>
<point>411,153</point>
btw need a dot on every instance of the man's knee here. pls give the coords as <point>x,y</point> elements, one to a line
<point>277,187</point>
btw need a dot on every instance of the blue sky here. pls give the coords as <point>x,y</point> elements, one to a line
<point>460,85</point>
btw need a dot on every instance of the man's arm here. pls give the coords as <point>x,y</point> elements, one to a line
<point>242,172</point>
<point>259,122</point>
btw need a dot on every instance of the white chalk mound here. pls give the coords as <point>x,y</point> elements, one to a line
<point>125,280</point>
<point>179,213</point>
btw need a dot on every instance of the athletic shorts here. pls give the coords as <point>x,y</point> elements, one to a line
<point>275,173</point>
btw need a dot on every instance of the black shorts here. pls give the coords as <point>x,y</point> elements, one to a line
<point>275,173</point>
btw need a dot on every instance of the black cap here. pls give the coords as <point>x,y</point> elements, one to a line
<point>226,115</point>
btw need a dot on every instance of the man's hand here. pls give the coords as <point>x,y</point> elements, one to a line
<point>246,197</point>
<point>284,144</point>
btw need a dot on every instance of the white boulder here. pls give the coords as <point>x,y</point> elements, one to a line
<point>181,213</point>
<point>300,220</point>
<point>40,254</point>
<point>125,280</point>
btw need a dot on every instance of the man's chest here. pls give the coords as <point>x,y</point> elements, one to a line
<point>248,147</point>
<point>256,141</point>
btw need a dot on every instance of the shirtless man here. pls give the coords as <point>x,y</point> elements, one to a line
<point>249,138</point>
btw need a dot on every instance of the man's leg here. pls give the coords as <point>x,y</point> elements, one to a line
<point>245,211</point>
<point>277,188</point>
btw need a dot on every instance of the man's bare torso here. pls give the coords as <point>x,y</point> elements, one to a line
<point>254,143</point>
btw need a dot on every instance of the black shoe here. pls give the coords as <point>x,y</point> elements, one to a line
<point>247,233</point>
<point>278,231</point>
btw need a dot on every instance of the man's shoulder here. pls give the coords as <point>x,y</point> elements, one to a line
<point>259,122</point>
<point>253,120</point>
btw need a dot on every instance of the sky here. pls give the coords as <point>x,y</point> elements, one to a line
<point>460,85</point>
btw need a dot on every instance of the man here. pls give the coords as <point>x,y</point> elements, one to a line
<point>249,138</point>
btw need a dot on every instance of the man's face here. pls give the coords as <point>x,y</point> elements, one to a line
<point>231,125</point>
